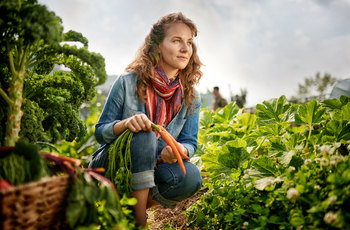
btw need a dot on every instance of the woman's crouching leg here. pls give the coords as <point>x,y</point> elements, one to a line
<point>171,184</point>
<point>143,159</point>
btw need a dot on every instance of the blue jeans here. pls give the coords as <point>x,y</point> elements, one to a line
<point>166,182</point>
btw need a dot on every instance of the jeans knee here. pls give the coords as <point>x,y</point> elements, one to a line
<point>194,181</point>
<point>143,150</point>
<point>144,141</point>
<point>173,185</point>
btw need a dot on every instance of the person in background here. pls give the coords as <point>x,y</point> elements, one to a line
<point>158,87</point>
<point>218,101</point>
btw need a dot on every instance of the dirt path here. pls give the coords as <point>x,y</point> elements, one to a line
<point>160,218</point>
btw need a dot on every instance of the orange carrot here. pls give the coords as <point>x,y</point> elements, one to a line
<point>74,161</point>
<point>176,144</point>
<point>166,137</point>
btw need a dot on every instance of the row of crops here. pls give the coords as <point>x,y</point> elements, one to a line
<point>285,167</point>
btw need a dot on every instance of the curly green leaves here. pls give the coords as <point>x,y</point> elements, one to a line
<point>45,66</point>
<point>40,24</point>
<point>73,36</point>
<point>66,90</point>
<point>60,95</point>
<point>31,128</point>
<point>60,84</point>
<point>24,24</point>
<point>64,123</point>
<point>95,60</point>
<point>84,74</point>
<point>30,37</point>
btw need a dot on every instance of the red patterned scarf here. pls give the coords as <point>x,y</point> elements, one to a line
<point>163,98</point>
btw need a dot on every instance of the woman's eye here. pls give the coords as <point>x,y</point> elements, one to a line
<point>190,43</point>
<point>177,41</point>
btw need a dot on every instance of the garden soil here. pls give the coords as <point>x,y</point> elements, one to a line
<point>160,218</point>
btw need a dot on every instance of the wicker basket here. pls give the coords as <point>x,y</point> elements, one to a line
<point>36,205</point>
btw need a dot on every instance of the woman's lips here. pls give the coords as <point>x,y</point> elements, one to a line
<point>182,58</point>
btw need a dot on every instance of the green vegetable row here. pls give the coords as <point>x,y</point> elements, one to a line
<point>275,169</point>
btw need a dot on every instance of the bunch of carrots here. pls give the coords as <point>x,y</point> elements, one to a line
<point>119,164</point>
<point>175,146</point>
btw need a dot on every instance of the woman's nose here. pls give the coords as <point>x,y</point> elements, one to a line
<point>184,47</point>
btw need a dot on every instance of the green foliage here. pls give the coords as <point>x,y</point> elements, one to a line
<point>310,114</point>
<point>60,96</point>
<point>286,167</point>
<point>88,145</point>
<point>274,111</point>
<point>75,37</point>
<point>93,202</point>
<point>24,164</point>
<point>32,130</point>
<point>38,104</point>
<point>119,163</point>
<point>31,42</point>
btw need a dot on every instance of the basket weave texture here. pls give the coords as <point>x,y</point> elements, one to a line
<point>36,205</point>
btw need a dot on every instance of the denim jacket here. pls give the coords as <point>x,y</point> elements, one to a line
<point>122,102</point>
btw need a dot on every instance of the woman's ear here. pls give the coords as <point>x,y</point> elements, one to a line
<point>159,49</point>
<point>159,52</point>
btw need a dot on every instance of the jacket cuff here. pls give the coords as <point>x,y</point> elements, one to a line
<point>108,133</point>
<point>189,148</point>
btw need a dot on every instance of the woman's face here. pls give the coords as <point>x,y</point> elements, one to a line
<point>176,48</point>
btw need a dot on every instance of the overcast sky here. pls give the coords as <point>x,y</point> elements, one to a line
<point>264,46</point>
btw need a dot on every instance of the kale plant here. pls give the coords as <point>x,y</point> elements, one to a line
<point>34,100</point>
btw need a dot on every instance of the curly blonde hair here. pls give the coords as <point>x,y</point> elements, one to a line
<point>148,58</point>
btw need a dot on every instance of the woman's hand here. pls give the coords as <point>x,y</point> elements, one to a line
<point>168,155</point>
<point>137,123</point>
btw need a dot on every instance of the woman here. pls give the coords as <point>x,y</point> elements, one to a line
<point>158,87</point>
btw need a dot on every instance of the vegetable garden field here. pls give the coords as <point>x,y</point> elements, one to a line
<point>286,166</point>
